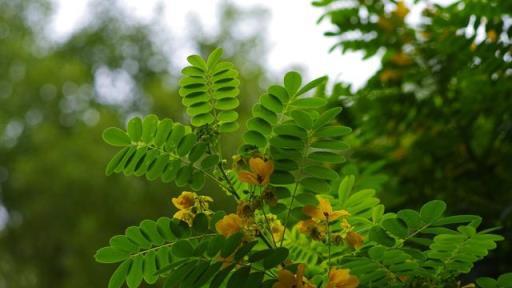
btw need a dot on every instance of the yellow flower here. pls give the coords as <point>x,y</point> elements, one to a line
<point>245,209</point>
<point>401,10</point>
<point>473,47</point>
<point>401,59</point>
<point>389,75</point>
<point>345,224</point>
<point>184,215</point>
<point>277,230</point>
<point>185,201</point>
<point>260,171</point>
<point>324,211</point>
<point>229,225</point>
<point>341,278</point>
<point>492,36</point>
<point>312,229</point>
<point>354,239</point>
<point>385,24</point>
<point>287,279</point>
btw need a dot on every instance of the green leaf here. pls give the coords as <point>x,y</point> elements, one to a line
<point>271,102</point>
<point>221,276</point>
<point>486,282</point>
<point>116,160</point>
<point>214,58</point>
<point>302,119</point>
<point>135,235</point>
<point>163,131</point>
<point>179,274</point>
<point>197,61</point>
<point>276,257</point>
<point>311,85</point>
<point>177,133</point>
<point>135,273</point>
<point>396,227</point>
<point>411,218</point>
<point>254,280</point>
<point>186,144</point>
<point>182,249</point>
<point>239,277</point>
<point>505,280</point>
<point>260,255</point>
<point>378,235</point>
<point>150,268</point>
<point>179,228</point>
<point>292,82</point>
<point>321,172</point>
<point>208,274</point>
<point>200,223</point>
<point>309,103</point>
<point>214,245</point>
<point>328,157</point>
<point>333,131</point>
<point>163,226</point>
<point>197,151</point>
<point>255,138</point>
<point>327,117</point>
<point>149,127</point>
<point>110,255</point>
<point>135,129</point>
<point>231,244</point>
<point>244,250</point>
<point>150,230</point>
<point>116,137</point>
<point>119,275</point>
<point>345,188</point>
<point>210,161</point>
<point>432,210</point>
<point>122,242</point>
<point>282,178</point>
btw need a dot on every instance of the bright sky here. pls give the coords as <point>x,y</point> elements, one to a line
<point>294,38</point>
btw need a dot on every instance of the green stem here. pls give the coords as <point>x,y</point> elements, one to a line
<point>288,213</point>
<point>268,223</point>
<point>328,242</point>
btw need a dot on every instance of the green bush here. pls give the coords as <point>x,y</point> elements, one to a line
<point>298,223</point>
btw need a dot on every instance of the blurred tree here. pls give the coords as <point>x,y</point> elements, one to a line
<point>56,205</point>
<point>438,111</point>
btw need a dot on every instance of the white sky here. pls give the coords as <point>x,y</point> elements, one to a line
<point>294,38</point>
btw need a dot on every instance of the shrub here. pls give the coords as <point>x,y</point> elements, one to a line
<point>297,223</point>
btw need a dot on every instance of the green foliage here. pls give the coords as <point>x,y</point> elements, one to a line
<point>209,90</point>
<point>504,281</point>
<point>291,145</point>
<point>286,124</point>
<point>160,149</point>
<point>434,114</point>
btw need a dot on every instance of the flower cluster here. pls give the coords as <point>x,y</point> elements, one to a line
<point>321,217</point>
<point>260,171</point>
<point>189,204</point>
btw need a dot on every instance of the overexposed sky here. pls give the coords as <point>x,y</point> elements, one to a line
<point>293,36</point>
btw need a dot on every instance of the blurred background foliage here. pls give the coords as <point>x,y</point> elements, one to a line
<point>57,205</point>
<point>433,123</point>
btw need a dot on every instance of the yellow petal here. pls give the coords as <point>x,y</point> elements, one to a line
<point>313,212</point>
<point>185,200</point>
<point>229,224</point>
<point>324,205</point>
<point>286,278</point>
<point>354,239</point>
<point>248,177</point>
<point>337,214</point>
